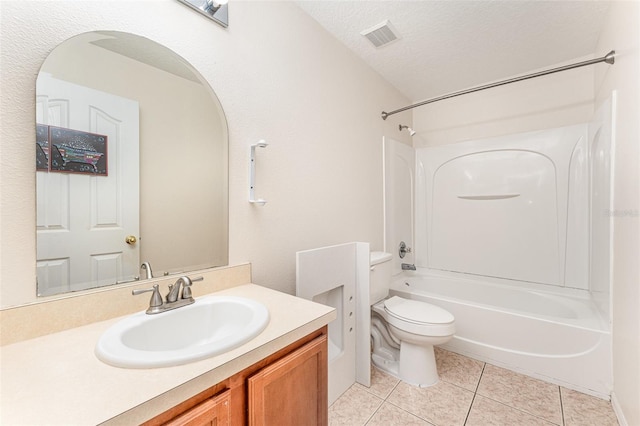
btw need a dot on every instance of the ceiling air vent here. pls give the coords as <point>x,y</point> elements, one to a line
<point>381,34</point>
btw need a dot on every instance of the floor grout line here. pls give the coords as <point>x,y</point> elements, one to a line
<point>520,410</point>
<point>374,413</point>
<point>484,365</point>
<point>475,393</point>
<point>409,412</point>
<point>561,404</point>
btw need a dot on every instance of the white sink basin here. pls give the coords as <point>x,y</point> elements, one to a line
<point>210,326</point>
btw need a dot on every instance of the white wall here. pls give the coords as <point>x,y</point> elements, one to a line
<point>279,77</point>
<point>622,33</point>
<point>551,101</point>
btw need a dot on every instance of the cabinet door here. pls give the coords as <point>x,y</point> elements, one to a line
<point>292,390</point>
<point>212,412</point>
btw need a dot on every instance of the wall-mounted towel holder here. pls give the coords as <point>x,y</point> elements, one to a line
<point>252,174</point>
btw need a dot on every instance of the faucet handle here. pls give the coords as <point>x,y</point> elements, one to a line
<point>156,298</point>
<point>403,250</point>
<point>186,286</point>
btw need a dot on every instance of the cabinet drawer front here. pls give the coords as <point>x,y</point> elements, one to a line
<point>214,411</point>
<point>292,390</point>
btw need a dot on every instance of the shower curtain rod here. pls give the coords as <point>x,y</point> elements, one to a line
<point>609,58</point>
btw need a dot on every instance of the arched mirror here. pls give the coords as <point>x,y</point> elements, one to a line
<point>131,165</point>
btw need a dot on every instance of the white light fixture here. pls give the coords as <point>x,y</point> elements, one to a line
<point>216,10</point>
<point>212,6</point>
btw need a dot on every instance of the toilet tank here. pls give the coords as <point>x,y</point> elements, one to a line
<point>380,276</point>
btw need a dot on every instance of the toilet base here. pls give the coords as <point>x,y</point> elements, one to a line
<point>418,365</point>
<point>387,365</point>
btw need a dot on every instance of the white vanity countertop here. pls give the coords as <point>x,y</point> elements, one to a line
<point>57,379</point>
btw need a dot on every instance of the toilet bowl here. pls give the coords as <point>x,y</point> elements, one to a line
<point>403,331</point>
<point>417,326</point>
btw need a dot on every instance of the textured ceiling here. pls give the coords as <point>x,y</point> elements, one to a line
<point>453,45</point>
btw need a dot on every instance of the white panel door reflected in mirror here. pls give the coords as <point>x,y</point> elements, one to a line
<point>155,191</point>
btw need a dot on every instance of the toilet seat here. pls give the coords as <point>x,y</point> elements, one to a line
<point>417,312</point>
<point>415,317</point>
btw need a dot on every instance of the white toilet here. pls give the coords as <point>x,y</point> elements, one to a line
<point>404,331</point>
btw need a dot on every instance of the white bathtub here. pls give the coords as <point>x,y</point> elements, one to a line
<point>561,338</point>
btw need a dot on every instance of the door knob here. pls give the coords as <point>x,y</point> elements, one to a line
<point>131,240</point>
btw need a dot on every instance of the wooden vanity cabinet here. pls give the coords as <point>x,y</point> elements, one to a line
<point>293,390</point>
<point>214,411</point>
<point>288,387</point>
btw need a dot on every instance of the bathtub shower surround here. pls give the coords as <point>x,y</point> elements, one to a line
<point>513,207</point>
<point>524,207</point>
<point>510,238</point>
<point>399,189</point>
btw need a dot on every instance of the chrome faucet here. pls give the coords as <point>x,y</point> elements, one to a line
<point>146,267</point>
<point>172,301</point>
<point>174,289</point>
<point>403,249</point>
<point>408,267</point>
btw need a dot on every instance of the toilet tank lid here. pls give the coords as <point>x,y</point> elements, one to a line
<point>377,257</point>
<point>416,311</point>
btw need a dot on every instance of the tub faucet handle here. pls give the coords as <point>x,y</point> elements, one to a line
<point>403,250</point>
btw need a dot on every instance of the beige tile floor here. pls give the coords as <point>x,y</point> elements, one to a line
<point>470,393</point>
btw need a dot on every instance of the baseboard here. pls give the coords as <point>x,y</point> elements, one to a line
<point>618,410</point>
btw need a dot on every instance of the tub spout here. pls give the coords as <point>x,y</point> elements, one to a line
<point>408,267</point>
